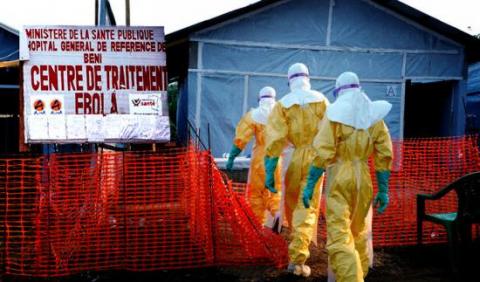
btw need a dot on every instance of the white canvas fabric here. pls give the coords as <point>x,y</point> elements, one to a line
<point>353,107</point>
<point>266,101</point>
<point>300,88</point>
<point>261,113</point>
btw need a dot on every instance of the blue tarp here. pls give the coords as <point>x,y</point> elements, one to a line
<point>473,111</point>
<point>237,58</point>
<point>473,98</point>
<point>473,85</point>
<point>8,45</point>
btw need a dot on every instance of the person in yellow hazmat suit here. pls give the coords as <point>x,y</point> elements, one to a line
<point>352,131</point>
<point>294,121</point>
<point>253,124</point>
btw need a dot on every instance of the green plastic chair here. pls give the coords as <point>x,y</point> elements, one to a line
<point>456,223</point>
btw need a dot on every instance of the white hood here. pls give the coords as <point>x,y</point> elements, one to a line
<point>301,94</point>
<point>300,88</point>
<point>355,109</point>
<point>265,106</point>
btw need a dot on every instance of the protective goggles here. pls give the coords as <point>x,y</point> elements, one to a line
<point>347,86</point>
<point>296,75</point>
<point>265,96</point>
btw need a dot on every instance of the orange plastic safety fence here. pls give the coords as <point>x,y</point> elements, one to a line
<point>66,213</point>
<point>420,166</point>
<point>137,211</point>
<point>423,166</point>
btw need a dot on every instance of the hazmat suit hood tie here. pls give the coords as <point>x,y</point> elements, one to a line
<point>355,109</point>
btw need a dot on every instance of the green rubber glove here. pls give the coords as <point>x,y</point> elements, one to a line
<point>313,175</point>
<point>270,166</point>
<point>234,152</point>
<point>381,199</point>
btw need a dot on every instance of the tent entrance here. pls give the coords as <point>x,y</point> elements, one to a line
<point>9,120</point>
<point>428,109</point>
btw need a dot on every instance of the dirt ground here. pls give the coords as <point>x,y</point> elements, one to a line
<point>411,264</point>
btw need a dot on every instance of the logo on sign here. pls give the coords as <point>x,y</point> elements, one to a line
<point>145,104</point>
<point>56,106</point>
<point>39,107</point>
<point>136,102</point>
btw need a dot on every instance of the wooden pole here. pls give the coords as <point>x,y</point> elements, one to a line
<point>22,146</point>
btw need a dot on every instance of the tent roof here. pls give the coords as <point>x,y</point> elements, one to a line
<point>9,46</point>
<point>9,29</point>
<point>471,43</point>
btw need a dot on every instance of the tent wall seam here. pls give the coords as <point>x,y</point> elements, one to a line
<point>320,48</point>
<point>199,86</point>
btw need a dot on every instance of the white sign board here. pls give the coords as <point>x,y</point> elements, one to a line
<point>94,84</point>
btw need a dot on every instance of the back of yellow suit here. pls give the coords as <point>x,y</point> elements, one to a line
<point>343,144</point>
<point>260,199</point>
<point>294,120</point>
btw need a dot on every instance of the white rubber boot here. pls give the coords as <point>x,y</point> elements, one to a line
<point>299,269</point>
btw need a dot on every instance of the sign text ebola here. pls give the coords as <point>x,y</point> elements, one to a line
<point>93,71</point>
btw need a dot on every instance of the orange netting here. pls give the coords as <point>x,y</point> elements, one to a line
<point>139,211</point>
<point>423,166</point>
<point>420,166</point>
<point>67,213</point>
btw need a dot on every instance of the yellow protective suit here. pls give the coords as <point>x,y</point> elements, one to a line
<point>297,125</point>
<point>260,199</point>
<point>349,190</point>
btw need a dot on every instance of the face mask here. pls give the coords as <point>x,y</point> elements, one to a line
<point>266,103</point>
